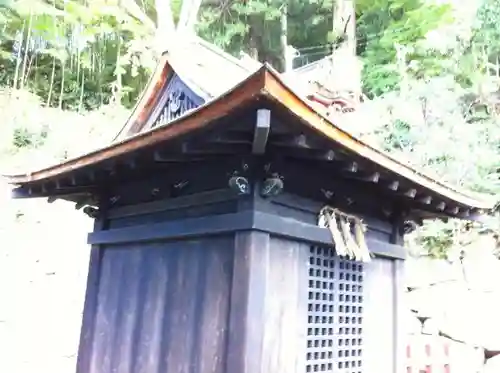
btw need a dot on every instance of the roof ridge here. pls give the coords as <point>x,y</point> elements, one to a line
<point>221,52</point>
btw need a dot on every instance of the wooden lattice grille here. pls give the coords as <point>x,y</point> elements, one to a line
<point>335,309</point>
<point>175,101</point>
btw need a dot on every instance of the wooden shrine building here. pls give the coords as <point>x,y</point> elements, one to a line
<point>210,251</point>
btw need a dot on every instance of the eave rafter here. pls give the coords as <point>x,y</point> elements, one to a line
<point>260,117</point>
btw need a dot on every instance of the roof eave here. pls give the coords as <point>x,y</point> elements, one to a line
<point>302,109</point>
<point>265,82</point>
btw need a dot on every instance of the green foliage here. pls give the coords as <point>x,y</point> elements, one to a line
<point>437,102</point>
<point>385,25</point>
<point>437,238</point>
<point>113,56</point>
<point>255,26</point>
<point>77,56</point>
<point>24,138</point>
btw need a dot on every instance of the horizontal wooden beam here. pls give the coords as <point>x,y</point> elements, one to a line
<point>229,223</point>
<point>351,167</point>
<point>230,137</point>
<point>301,141</point>
<point>411,193</point>
<point>204,198</point>
<point>441,206</point>
<point>425,200</point>
<point>303,153</point>
<point>56,193</point>
<point>393,185</point>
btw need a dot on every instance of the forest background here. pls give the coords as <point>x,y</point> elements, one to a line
<point>78,66</point>
<point>72,70</point>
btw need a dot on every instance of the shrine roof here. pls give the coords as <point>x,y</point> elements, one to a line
<point>206,69</point>
<point>265,88</point>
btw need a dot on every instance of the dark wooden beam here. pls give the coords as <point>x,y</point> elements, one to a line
<point>465,212</point>
<point>230,137</point>
<point>29,192</point>
<point>302,153</point>
<point>261,131</point>
<point>233,222</point>
<point>366,177</point>
<point>168,204</point>
<point>197,148</point>
<point>159,156</point>
<point>373,178</point>
<point>352,167</point>
<point>316,181</point>
<point>91,174</point>
<point>330,155</point>
<point>393,185</point>
<point>425,200</point>
<point>441,206</point>
<point>411,193</point>
<point>301,141</point>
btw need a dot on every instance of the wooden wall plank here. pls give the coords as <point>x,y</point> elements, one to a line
<point>247,318</point>
<point>400,310</point>
<point>378,326</point>
<point>269,305</point>
<point>163,307</point>
<point>90,305</point>
<point>285,324</point>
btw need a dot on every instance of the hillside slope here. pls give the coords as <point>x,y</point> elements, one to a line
<point>43,251</point>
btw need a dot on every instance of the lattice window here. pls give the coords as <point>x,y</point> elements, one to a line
<point>334,333</point>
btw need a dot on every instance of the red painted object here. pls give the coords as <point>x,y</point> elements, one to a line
<point>428,355</point>
<point>428,350</point>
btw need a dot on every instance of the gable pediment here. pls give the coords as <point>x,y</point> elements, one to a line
<point>184,79</point>
<point>175,99</point>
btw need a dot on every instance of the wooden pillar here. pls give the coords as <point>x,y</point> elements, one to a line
<point>269,315</point>
<point>230,283</point>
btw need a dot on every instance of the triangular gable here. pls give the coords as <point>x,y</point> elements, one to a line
<point>192,73</point>
<point>174,99</point>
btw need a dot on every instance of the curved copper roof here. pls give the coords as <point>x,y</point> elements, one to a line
<point>266,84</point>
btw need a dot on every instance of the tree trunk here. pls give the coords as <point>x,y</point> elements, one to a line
<point>27,50</point>
<point>346,69</point>
<point>188,16</point>
<point>344,24</point>
<point>287,58</point>
<point>165,26</point>
<point>253,39</point>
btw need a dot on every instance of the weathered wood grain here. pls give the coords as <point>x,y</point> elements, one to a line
<point>162,307</point>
